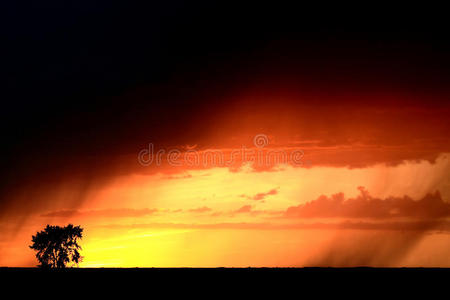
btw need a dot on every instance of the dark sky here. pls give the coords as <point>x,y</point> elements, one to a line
<point>85,79</point>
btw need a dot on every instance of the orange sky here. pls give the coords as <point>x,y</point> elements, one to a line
<point>358,196</point>
<point>206,134</point>
<point>214,217</point>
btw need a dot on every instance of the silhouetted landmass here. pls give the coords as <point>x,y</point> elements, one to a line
<point>235,272</point>
<point>232,282</point>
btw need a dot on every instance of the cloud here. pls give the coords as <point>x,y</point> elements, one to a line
<point>374,248</point>
<point>247,209</point>
<point>128,212</point>
<point>200,209</point>
<point>243,209</point>
<point>109,213</point>
<point>430,206</point>
<point>181,176</point>
<point>261,196</point>
<point>410,226</point>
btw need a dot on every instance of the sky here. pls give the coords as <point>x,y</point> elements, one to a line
<point>226,135</point>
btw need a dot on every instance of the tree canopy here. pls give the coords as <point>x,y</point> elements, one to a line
<point>57,247</point>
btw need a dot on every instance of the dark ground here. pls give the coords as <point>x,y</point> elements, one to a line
<point>234,271</point>
<point>227,283</point>
<point>204,278</point>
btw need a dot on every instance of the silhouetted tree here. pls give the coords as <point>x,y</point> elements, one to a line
<point>57,247</point>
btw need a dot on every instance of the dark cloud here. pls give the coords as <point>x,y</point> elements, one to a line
<point>90,86</point>
<point>431,206</point>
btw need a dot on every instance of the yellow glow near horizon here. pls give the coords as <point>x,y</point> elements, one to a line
<point>184,229</point>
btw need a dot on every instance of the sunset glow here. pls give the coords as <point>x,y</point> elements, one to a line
<point>188,143</point>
